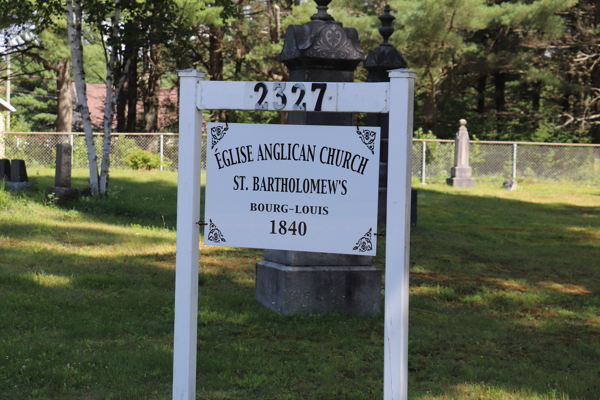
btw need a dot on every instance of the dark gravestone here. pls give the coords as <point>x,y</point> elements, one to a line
<point>321,50</point>
<point>18,172</point>
<point>378,63</point>
<point>414,197</point>
<point>4,169</point>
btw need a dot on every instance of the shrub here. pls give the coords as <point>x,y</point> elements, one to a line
<point>142,159</point>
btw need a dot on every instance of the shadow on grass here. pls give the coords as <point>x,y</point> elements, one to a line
<point>147,198</point>
<point>504,294</point>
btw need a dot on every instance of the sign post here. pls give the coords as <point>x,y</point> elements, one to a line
<point>395,98</point>
<point>187,241</point>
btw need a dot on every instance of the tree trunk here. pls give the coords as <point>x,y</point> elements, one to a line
<point>132,88</point>
<point>481,84</point>
<point>109,104</point>
<point>536,95</point>
<point>595,129</point>
<point>74,29</point>
<point>64,118</point>
<point>430,107</point>
<point>500,85</point>
<point>127,100</point>
<point>121,110</point>
<point>216,53</point>
<point>215,62</point>
<point>151,94</point>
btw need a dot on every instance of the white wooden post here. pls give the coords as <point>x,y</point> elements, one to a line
<point>188,239</point>
<point>397,254</point>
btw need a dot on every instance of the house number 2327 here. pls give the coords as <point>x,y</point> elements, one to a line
<point>289,93</point>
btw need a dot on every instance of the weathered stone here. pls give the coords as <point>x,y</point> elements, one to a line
<point>460,174</point>
<point>510,184</point>
<point>4,169</point>
<point>18,171</point>
<point>321,289</point>
<point>17,185</point>
<point>63,195</point>
<point>321,50</point>
<point>307,258</point>
<point>63,165</point>
<point>379,61</point>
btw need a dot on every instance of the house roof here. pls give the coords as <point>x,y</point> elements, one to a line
<point>5,106</point>
<point>96,95</point>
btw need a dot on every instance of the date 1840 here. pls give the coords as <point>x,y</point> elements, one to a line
<point>284,227</point>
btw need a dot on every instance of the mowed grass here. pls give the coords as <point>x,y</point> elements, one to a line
<point>504,302</point>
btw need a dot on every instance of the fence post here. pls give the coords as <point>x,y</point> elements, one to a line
<point>423,161</point>
<point>514,166</point>
<point>71,144</point>
<point>162,142</point>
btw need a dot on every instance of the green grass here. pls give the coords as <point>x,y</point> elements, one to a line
<point>504,302</point>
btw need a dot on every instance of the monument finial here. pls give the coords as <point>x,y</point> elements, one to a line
<point>322,11</point>
<point>386,28</point>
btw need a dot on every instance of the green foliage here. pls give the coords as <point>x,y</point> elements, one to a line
<point>142,159</point>
<point>459,49</point>
<point>430,152</point>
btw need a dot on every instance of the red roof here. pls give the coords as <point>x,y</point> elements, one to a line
<point>96,94</point>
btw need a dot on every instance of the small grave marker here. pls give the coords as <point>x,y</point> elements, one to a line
<point>63,165</point>
<point>461,172</point>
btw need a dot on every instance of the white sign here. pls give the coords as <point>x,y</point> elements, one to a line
<point>292,187</point>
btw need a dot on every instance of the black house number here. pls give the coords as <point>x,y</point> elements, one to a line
<point>297,94</point>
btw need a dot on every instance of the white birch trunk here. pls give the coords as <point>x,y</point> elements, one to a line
<point>109,104</point>
<point>74,29</point>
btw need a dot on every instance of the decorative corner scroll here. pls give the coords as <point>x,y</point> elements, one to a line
<point>368,138</point>
<point>217,133</point>
<point>364,243</point>
<point>214,233</point>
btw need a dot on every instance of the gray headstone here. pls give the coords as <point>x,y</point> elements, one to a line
<point>63,165</point>
<point>321,50</point>
<point>460,174</point>
<point>4,169</point>
<point>18,171</point>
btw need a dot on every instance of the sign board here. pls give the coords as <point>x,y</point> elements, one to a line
<point>230,156</point>
<point>292,187</point>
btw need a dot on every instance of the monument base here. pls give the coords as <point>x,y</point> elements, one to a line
<point>63,195</point>
<point>17,185</point>
<point>461,182</point>
<point>318,289</point>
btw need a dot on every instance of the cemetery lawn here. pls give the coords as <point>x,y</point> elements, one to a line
<point>504,302</point>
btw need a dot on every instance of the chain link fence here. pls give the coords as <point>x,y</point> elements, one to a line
<point>431,159</point>
<point>38,149</point>
<point>493,161</point>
